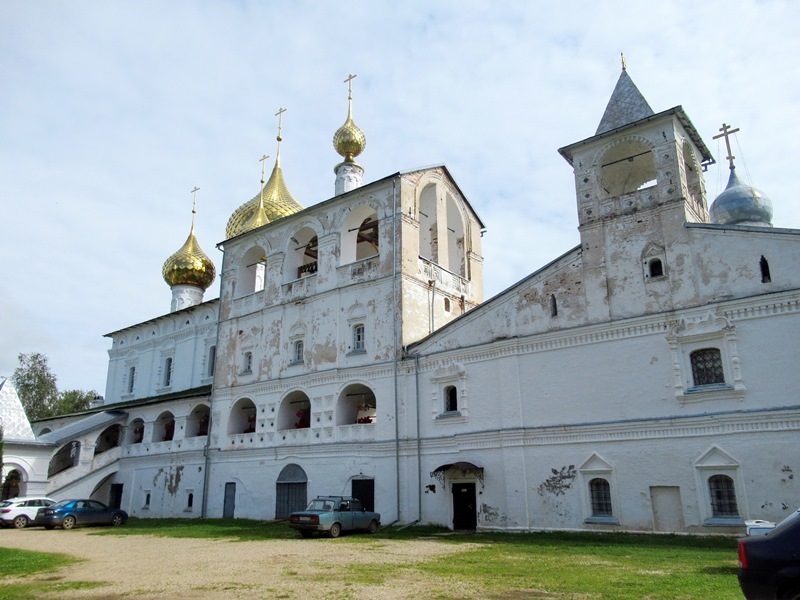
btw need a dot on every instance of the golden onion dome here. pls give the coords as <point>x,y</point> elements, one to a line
<point>272,202</point>
<point>189,266</point>
<point>349,141</point>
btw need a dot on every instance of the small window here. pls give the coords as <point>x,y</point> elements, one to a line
<point>553,306</point>
<point>359,338</point>
<point>190,500</point>
<point>764,264</point>
<point>600,493</point>
<point>656,268</point>
<point>707,367</point>
<point>147,500</point>
<point>447,305</point>
<point>723,496</point>
<point>168,372</point>
<point>450,398</point>
<point>212,361</point>
<point>131,379</point>
<point>247,367</point>
<point>297,352</point>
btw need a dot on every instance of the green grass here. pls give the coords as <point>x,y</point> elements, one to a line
<point>18,567</point>
<point>501,566</point>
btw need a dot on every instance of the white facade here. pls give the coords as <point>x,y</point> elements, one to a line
<point>644,380</point>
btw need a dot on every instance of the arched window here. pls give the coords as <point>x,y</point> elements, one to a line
<point>212,361</point>
<point>252,271</point>
<point>723,496</point>
<point>656,268</point>
<point>66,457</point>
<point>295,412</point>
<point>302,254</point>
<point>247,363</point>
<point>627,167</point>
<point>243,417</point>
<point>553,306</point>
<point>707,367</point>
<point>450,398</point>
<point>189,501</point>
<point>164,427</point>
<point>131,379</point>
<point>600,493</point>
<point>765,277</point>
<point>357,405</point>
<point>168,371</point>
<point>197,422</point>
<point>446,304</point>
<point>359,338</point>
<point>428,233</point>
<point>107,440</point>
<point>297,352</point>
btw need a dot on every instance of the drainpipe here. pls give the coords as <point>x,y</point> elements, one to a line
<point>419,440</point>
<point>396,348</point>
<point>206,457</point>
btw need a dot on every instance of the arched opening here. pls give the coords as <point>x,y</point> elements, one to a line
<point>302,254</point>
<point>450,399</point>
<point>66,457</point>
<point>197,421</point>
<point>136,431</point>
<point>764,266</point>
<point>110,438</point>
<point>290,491</point>
<point>168,371</point>
<point>359,238</point>
<point>357,405</point>
<point>694,182</point>
<point>252,272</point>
<point>428,234</point>
<point>164,427</point>
<point>600,493</point>
<point>723,496</point>
<point>455,238</point>
<point>295,411</point>
<point>627,167</point>
<point>243,417</point>
<point>12,485</point>
<point>553,306</point>
<point>655,268</point>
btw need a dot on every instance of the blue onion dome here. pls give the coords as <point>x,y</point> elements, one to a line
<point>741,204</point>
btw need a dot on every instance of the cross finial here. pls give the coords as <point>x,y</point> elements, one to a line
<point>726,133</point>
<point>349,82</point>
<point>624,62</point>
<point>194,204</point>
<point>279,114</point>
<point>263,161</point>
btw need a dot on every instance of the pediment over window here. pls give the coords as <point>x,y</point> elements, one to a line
<point>716,458</point>
<point>595,463</point>
<point>702,325</point>
<point>449,371</point>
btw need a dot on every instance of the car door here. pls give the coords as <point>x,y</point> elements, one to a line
<point>359,516</point>
<point>97,513</point>
<point>345,516</point>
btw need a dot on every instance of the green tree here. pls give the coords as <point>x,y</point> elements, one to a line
<point>71,401</point>
<point>36,385</point>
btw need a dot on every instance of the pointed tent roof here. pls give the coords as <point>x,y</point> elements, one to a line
<point>627,105</point>
<point>12,416</point>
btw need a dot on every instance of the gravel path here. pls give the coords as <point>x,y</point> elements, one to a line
<point>154,567</point>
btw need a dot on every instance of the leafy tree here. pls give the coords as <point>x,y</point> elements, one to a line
<point>71,401</point>
<point>36,385</point>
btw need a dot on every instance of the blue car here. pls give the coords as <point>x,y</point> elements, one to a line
<point>74,513</point>
<point>333,515</point>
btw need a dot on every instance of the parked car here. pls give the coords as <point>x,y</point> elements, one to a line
<point>73,513</point>
<point>333,515</point>
<point>21,512</point>
<point>769,564</point>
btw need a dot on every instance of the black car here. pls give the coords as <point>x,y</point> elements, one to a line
<point>769,564</point>
<point>74,513</point>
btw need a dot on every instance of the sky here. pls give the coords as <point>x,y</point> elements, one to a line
<point>111,112</point>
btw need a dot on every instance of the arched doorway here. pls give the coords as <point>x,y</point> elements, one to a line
<point>290,491</point>
<point>11,484</point>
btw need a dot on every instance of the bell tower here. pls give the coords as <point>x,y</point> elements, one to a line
<point>638,179</point>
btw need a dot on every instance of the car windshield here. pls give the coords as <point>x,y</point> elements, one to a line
<point>320,504</point>
<point>786,522</point>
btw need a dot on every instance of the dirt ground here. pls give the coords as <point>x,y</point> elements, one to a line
<point>153,567</point>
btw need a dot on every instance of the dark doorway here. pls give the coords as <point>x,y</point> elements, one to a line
<point>290,491</point>
<point>464,514</point>
<point>364,490</point>
<point>115,498</point>
<point>230,500</point>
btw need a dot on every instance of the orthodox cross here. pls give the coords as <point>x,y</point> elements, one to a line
<point>194,202</point>
<point>349,82</point>
<point>263,161</point>
<point>279,114</point>
<point>726,133</point>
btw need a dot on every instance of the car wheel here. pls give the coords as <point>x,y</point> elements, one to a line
<point>373,526</point>
<point>68,522</point>
<point>306,534</point>
<point>335,530</point>
<point>21,522</point>
<point>117,520</point>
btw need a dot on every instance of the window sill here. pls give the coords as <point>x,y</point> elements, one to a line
<point>604,520</point>
<point>452,416</point>
<point>724,522</point>
<point>710,392</point>
<point>354,352</point>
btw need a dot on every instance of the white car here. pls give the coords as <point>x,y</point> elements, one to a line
<point>20,512</point>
